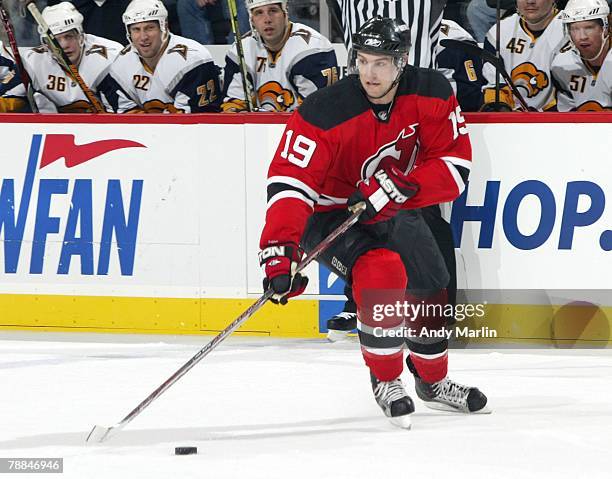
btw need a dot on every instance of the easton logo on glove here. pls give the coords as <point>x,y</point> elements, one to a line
<point>271,251</point>
<point>384,193</point>
<point>388,185</point>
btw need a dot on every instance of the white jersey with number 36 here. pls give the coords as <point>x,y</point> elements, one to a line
<point>55,91</point>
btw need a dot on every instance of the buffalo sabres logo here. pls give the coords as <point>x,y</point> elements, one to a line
<point>79,106</point>
<point>273,97</point>
<point>99,49</point>
<point>305,34</point>
<point>591,106</point>
<point>394,149</point>
<point>180,49</point>
<point>528,77</point>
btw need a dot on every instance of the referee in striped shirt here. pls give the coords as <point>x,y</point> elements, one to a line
<point>422,16</point>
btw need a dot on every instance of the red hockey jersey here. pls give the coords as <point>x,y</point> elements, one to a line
<point>335,140</point>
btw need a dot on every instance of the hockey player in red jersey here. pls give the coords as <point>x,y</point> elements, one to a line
<point>391,135</point>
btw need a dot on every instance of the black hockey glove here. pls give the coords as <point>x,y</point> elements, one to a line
<point>279,262</point>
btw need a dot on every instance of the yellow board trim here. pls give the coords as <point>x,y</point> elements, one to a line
<point>576,324</point>
<point>154,315</point>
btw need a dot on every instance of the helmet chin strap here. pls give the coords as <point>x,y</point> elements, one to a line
<point>81,49</point>
<point>605,41</point>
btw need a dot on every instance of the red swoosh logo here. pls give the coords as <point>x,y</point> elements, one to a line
<point>63,146</point>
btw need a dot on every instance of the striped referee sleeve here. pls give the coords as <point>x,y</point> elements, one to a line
<point>422,16</point>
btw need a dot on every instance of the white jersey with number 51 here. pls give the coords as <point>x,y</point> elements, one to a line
<point>579,87</point>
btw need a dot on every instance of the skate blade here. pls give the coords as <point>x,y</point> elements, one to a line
<point>445,407</point>
<point>336,336</point>
<point>403,422</point>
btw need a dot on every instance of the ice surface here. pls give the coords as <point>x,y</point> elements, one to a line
<point>263,408</point>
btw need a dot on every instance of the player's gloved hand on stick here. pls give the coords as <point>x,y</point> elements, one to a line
<point>279,262</point>
<point>495,107</point>
<point>384,193</point>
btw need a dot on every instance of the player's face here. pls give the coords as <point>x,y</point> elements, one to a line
<point>270,22</point>
<point>587,36</point>
<point>377,73</point>
<point>71,44</point>
<point>147,38</point>
<point>534,11</point>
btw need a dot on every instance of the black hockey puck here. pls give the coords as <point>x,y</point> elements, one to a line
<point>184,451</point>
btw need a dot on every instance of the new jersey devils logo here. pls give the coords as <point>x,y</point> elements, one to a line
<point>527,76</point>
<point>393,150</point>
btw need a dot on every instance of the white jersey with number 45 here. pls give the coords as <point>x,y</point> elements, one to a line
<point>55,91</point>
<point>579,87</point>
<point>527,60</point>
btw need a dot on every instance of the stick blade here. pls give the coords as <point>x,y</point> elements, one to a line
<point>99,434</point>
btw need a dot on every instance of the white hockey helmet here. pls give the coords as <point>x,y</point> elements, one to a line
<point>251,4</point>
<point>62,17</point>
<point>146,11</point>
<point>581,10</point>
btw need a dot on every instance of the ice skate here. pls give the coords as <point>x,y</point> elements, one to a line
<point>447,395</point>
<point>393,400</point>
<point>339,327</point>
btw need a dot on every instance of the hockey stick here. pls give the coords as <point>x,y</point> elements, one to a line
<point>246,86</point>
<point>334,9</point>
<point>25,78</point>
<point>497,48</point>
<point>474,49</point>
<point>62,58</point>
<point>101,433</point>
